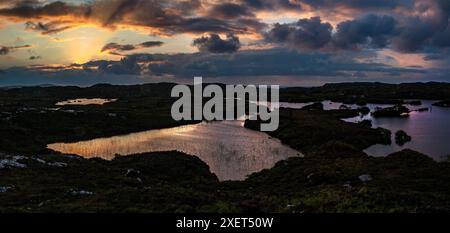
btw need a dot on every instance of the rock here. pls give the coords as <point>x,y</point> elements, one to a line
<point>348,186</point>
<point>39,160</point>
<point>365,178</point>
<point>57,164</point>
<point>72,156</point>
<point>4,189</point>
<point>51,164</point>
<point>133,173</point>
<point>344,107</point>
<point>12,162</point>
<point>401,138</point>
<point>81,193</point>
<point>296,208</point>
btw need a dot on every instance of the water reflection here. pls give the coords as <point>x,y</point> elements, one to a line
<point>429,130</point>
<point>231,151</point>
<point>83,101</point>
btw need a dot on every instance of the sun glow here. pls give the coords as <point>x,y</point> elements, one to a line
<point>86,44</point>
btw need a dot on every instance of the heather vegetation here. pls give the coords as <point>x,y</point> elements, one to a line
<point>334,176</point>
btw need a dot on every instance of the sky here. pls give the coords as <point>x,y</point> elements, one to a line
<point>286,42</point>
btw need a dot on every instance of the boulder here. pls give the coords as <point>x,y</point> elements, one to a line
<point>365,178</point>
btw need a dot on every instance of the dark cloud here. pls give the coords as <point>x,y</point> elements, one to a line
<point>5,50</point>
<point>150,44</point>
<point>35,57</point>
<point>115,48</point>
<point>19,2</point>
<point>230,10</point>
<point>432,57</point>
<point>359,4</point>
<point>426,29</point>
<point>272,4</point>
<point>45,28</point>
<point>34,9</point>
<point>129,65</point>
<point>215,44</point>
<point>405,25</point>
<point>200,25</point>
<point>413,36</point>
<point>112,47</point>
<point>369,31</point>
<point>307,34</point>
<point>272,62</point>
<point>161,17</point>
<point>442,39</point>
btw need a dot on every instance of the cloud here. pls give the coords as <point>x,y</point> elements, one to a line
<point>5,50</point>
<point>10,3</point>
<point>442,39</point>
<point>430,30</point>
<point>116,49</point>
<point>403,25</point>
<point>271,5</point>
<point>417,23</point>
<point>427,27</point>
<point>230,10</point>
<point>280,62</point>
<point>358,4</point>
<point>215,44</point>
<point>307,34</point>
<point>159,17</point>
<point>244,66</point>
<point>35,58</point>
<point>35,10</point>
<point>371,30</point>
<point>46,28</point>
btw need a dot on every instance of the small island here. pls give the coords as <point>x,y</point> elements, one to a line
<point>443,103</point>
<point>396,111</point>
<point>401,138</point>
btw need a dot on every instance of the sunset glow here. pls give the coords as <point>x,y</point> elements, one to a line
<point>409,38</point>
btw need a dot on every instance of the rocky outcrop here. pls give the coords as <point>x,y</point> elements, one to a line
<point>396,111</point>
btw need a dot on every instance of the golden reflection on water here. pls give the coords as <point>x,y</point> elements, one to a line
<point>83,101</point>
<point>231,151</point>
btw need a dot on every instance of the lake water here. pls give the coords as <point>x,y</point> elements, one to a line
<point>83,101</point>
<point>430,130</point>
<point>231,151</point>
